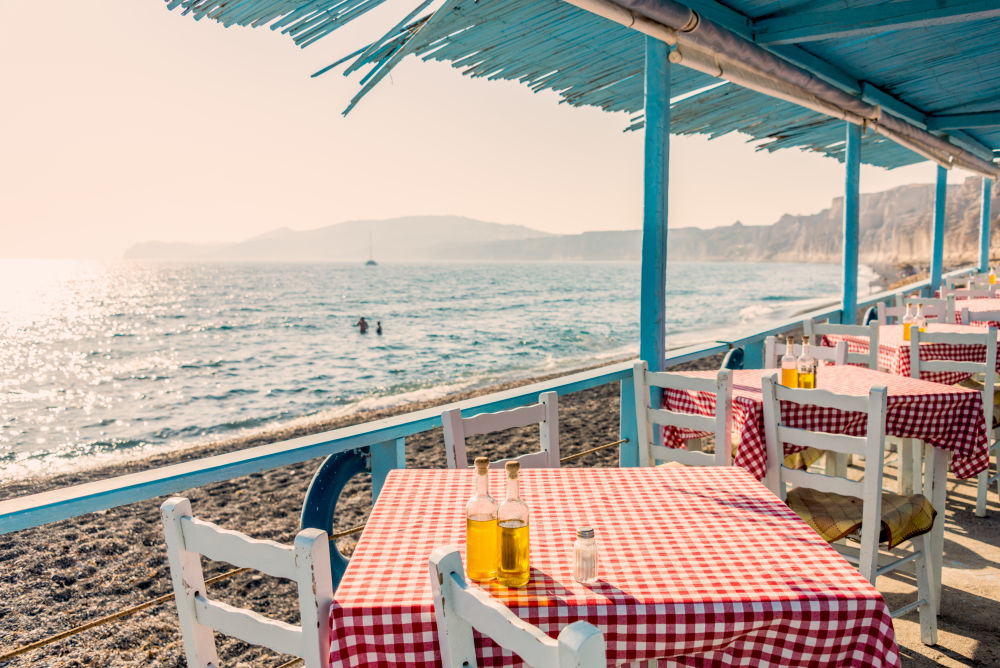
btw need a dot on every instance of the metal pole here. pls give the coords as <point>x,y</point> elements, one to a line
<point>937,238</point>
<point>652,346</point>
<point>852,163</point>
<point>984,231</point>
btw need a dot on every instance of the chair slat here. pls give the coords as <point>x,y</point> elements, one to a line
<point>823,483</point>
<point>249,626</point>
<point>822,398</point>
<point>485,423</point>
<point>238,549</point>
<point>846,445</point>
<point>676,381</point>
<point>686,457</point>
<point>690,421</point>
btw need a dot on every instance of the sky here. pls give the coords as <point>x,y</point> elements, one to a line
<point>124,122</point>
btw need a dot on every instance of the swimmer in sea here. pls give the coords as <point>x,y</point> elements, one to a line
<point>378,328</point>
<point>362,325</point>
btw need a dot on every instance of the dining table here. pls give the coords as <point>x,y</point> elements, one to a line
<point>978,306</point>
<point>894,350</point>
<point>696,566</point>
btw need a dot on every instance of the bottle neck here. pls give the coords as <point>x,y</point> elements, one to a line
<point>513,488</point>
<point>482,484</point>
<point>805,350</point>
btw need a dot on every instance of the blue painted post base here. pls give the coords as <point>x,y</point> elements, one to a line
<point>628,452</point>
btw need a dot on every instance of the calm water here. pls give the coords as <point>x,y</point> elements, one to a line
<point>99,359</point>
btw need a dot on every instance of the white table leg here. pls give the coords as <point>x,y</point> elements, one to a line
<point>904,466</point>
<point>935,489</point>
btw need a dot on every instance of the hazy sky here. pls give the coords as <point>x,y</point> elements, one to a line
<point>125,122</point>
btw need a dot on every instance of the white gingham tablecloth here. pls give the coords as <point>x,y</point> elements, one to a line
<point>944,416</point>
<point>698,566</point>
<point>894,352</point>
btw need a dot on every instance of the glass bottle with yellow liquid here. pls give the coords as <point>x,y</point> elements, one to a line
<point>806,366</point>
<point>993,276</point>
<point>907,322</point>
<point>919,321</point>
<point>513,570</point>
<point>789,365</point>
<point>482,535</point>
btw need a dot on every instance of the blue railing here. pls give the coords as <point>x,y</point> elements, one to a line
<point>377,446</point>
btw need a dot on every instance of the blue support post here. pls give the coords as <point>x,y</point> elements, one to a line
<point>852,163</point>
<point>385,457</point>
<point>652,345</point>
<point>984,230</point>
<point>937,252</point>
<point>628,453</point>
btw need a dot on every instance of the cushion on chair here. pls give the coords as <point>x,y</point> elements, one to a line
<point>804,458</point>
<point>835,516</point>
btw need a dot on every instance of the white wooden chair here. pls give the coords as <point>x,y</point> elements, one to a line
<point>988,339</point>
<point>774,349</point>
<point>545,413</point>
<point>647,417</point>
<point>815,330</point>
<point>460,608</point>
<point>987,292</point>
<point>307,563</point>
<point>937,310</point>
<point>821,491</point>
<point>968,317</point>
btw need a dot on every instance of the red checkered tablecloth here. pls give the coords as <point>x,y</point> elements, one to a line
<point>701,566</point>
<point>894,351</point>
<point>944,416</point>
<point>977,305</point>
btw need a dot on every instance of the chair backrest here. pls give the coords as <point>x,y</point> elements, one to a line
<point>969,317</point>
<point>307,562</point>
<point>979,292</point>
<point>774,349</point>
<point>647,417</point>
<point>988,367</point>
<point>545,414</point>
<point>871,446</point>
<point>460,608</point>
<point>940,310</point>
<point>814,330</point>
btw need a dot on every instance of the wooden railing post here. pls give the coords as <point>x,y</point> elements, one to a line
<point>386,457</point>
<point>628,452</point>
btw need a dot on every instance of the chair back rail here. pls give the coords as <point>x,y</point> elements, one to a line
<point>307,562</point>
<point>986,338</point>
<point>460,608</point>
<point>939,310</point>
<point>969,317</point>
<point>545,414</point>
<point>648,417</point>
<point>816,330</point>
<point>774,349</point>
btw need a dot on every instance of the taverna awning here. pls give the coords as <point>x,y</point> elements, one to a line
<point>924,75</point>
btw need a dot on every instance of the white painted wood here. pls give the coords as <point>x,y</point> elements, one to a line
<point>821,440</point>
<point>774,349</point>
<point>816,330</point>
<point>988,292</point>
<point>969,316</point>
<point>937,310</point>
<point>189,582</point>
<point>648,417</point>
<point>545,413</point>
<point>307,563</point>
<point>220,544</point>
<point>868,489</point>
<point>460,608</point>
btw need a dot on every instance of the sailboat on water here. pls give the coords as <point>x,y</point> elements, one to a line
<point>371,257</point>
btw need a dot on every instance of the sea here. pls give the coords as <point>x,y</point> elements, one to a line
<point>105,360</point>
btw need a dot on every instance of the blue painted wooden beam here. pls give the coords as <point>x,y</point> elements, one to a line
<point>652,302</point>
<point>984,227</point>
<point>983,119</point>
<point>808,26</point>
<point>937,235</point>
<point>852,198</point>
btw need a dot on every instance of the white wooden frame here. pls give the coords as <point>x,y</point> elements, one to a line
<point>545,413</point>
<point>869,488</point>
<point>938,310</point>
<point>773,349</point>
<point>814,330</point>
<point>968,317</point>
<point>460,608</point>
<point>648,417</point>
<point>307,563</point>
<point>987,338</point>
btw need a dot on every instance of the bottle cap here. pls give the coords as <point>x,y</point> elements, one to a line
<point>512,469</point>
<point>805,339</point>
<point>585,532</point>
<point>482,464</point>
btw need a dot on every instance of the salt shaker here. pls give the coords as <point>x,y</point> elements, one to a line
<point>585,556</point>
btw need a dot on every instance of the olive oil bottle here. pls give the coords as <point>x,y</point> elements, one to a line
<point>789,365</point>
<point>482,536</point>
<point>514,568</point>
<point>807,367</point>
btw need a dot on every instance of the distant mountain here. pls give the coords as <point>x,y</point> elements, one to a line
<point>409,238</point>
<point>895,228</point>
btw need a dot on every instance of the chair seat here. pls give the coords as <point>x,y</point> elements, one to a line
<point>835,516</point>
<point>803,459</point>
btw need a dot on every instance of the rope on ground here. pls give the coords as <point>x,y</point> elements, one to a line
<point>24,649</point>
<point>568,458</point>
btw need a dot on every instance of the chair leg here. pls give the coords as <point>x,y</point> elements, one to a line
<point>928,613</point>
<point>982,487</point>
<point>904,468</point>
<point>917,465</point>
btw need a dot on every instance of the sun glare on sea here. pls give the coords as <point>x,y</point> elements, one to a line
<point>38,290</point>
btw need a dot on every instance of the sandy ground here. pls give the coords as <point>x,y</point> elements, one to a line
<point>69,572</point>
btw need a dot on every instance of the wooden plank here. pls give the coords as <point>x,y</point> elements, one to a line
<point>238,549</point>
<point>249,626</point>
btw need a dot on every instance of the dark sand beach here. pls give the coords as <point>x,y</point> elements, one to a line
<point>67,573</point>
